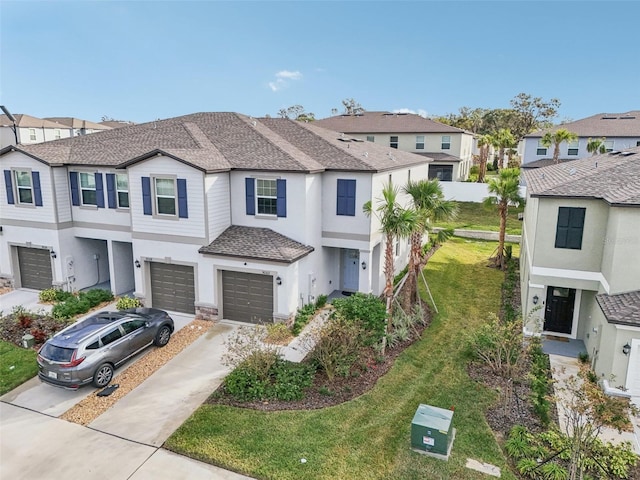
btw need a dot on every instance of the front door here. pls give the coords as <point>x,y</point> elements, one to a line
<point>350,273</point>
<point>558,316</point>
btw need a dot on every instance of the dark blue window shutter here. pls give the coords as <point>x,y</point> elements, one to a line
<point>37,191</point>
<point>9,185</point>
<point>99,191</point>
<point>75,197</point>
<point>281,201</point>
<point>346,198</point>
<point>250,194</point>
<point>146,195</point>
<point>111,190</point>
<point>183,212</point>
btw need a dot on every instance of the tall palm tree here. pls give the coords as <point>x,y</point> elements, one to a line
<point>556,138</point>
<point>596,145</point>
<point>502,140</point>
<point>430,206</point>
<point>396,222</point>
<point>484,142</point>
<point>504,191</point>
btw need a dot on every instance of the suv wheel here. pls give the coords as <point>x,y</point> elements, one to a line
<point>103,375</point>
<point>162,337</point>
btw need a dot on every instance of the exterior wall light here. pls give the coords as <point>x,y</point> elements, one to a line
<point>364,265</point>
<point>626,349</point>
<point>137,263</point>
<point>53,254</point>
<point>536,298</point>
<point>278,281</point>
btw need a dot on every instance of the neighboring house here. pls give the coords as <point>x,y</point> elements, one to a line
<point>450,148</point>
<point>580,261</point>
<point>30,130</point>
<point>621,131</point>
<point>116,123</point>
<point>216,214</point>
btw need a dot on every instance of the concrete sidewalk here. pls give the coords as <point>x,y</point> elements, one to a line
<point>22,297</point>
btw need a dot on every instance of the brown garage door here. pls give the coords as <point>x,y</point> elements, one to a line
<point>35,268</point>
<point>247,297</point>
<point>172,287</point>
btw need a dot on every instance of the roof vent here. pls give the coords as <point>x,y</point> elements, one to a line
<point>596,164</point>
<point>627,118</point>
<point>366,154</point>
<point>572,171</point>
<point>614,152</point>
<point>626,154</point>
<point>609,118</point>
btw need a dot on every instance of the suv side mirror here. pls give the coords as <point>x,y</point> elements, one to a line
<point>147,324</point>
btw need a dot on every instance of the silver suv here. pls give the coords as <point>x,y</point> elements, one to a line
<point>90,349</point>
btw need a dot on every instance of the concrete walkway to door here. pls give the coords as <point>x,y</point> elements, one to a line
<point>22,297</point>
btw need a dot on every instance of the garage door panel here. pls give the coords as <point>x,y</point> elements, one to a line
<point>172,287</point>
<point>35,268</point>
<point>247,297</point>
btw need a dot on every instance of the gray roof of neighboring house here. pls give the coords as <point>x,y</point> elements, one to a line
<point>223,141</point>
<point>615,178</point>
<point>385,122</point>
<point>440,157</point>
<point>601,125</point>
<point>116,123</point>
<point>27,121</point>
<point>622,308</point>
<point>73,122</point>
<point>256,243</point>
<point>544,162</point>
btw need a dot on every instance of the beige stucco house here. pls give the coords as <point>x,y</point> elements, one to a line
<point>580,260</point>
<point>450,148</point>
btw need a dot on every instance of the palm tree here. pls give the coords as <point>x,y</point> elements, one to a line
<point>396,222</point>
<point>502,140</point>
<point>596,145</point>
<point>556,138</point>
<point>505,191</point>
<point>484,142</point>
<point>429,205</point>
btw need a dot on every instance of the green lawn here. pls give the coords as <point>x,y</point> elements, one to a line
<point>369,437</point>
<point>474,216</point>
<point>17,365</point>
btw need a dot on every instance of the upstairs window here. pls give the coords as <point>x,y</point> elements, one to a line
<point>32,134</point>
<point>122,190</point>
<point>165,196</point>
<point>265,196</point>
<point>88,189</point>
<point>371,138</point>
<point>446,142</point>
<point>419,142</point>
<point>23,187</point>
<point>27,189</point>
<point>161,196</point>
<point>570,227</point>
<point>393,141</point>
<point>608,145</point>
<point>346,199</point>
<point>572,148</point>
<point>541,150</point>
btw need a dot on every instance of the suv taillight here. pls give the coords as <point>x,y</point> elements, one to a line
<point>74,361</point>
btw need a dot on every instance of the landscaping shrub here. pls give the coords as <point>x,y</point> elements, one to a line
<point>51,295</point>
<point>84,302</point>
<point>321,301</point>
<point>303,316</point>
<point>278,333</point>
<point>125,303</point>
<point>246,346</point>
<point>367,310</point>
<point>96,296</point>
<point>337,345</point>
<point>541,386</point>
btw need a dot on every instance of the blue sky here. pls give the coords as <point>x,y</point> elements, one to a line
<point>145,60</point>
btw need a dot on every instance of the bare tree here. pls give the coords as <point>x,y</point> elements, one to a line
<point>351,107</point>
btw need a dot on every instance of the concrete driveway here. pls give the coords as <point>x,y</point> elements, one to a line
<point>123,443</point>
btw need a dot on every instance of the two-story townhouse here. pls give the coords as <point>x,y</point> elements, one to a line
<point>29,130</point>
<point>621,131</point>
<point>580,261</point>
<point>216,214</point>
<point>450,148</point>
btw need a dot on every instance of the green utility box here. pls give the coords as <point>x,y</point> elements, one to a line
<point>431,431</point>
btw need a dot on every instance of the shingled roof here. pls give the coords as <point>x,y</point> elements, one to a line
<point>601,125</point>
<point>622,309</point>
<point>73,122</point>
<point>256,243</point>
<point>224,141</point>
<point>27,121</point>
<point>612,177</point>
<point>385,122</point>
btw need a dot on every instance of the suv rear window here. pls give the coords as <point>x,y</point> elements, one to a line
<point>56,354</point>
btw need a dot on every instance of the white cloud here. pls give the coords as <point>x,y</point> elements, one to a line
<point>283,78</point>
<point>420,111</point>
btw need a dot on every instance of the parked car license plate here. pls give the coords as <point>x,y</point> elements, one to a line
<point>52,374</point>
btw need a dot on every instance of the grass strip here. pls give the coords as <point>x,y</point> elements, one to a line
<point>475,216</point>
<point>17,365</point>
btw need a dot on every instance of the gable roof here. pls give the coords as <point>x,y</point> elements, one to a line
<point>223,141</point>
<point>27,121</point>
<point>612,177</point>
<point>385,122</point>
<point>73,122</point>
<point>257,243</point>
<point>600,125</point>
<point>623,308</point>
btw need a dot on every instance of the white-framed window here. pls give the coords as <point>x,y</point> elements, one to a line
<point>541,150</point>
<point>56,134</point>
<point>122,190</point>
<point>371,138</point>
<point>88,188</point>
<point>266,196</point>
<point>32,134</point>
<point>572,148</point>
<point>165,196</point>
<point>446,142</point>
<point>24,187</point>
<point>419,142</point>
<point>608,145</point>
<point>393,141</point>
